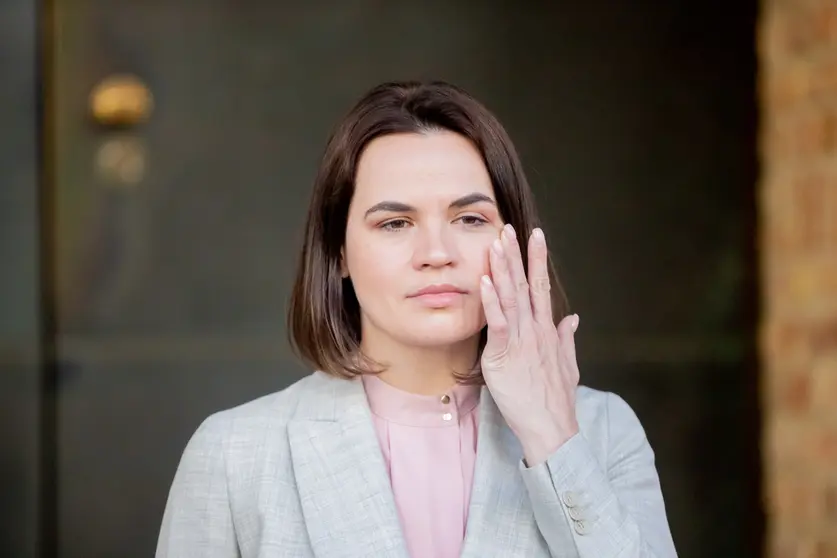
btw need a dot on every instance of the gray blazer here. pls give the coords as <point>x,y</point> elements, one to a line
<point>300,473</point>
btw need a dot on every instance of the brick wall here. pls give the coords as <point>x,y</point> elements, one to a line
<point>798,197</point>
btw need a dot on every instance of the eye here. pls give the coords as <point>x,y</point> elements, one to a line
<point>394,225</point>
<point>472,220</point>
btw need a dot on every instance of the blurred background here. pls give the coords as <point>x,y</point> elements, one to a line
<point>156,159</point>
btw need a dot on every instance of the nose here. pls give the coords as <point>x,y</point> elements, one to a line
<point>435,246</point>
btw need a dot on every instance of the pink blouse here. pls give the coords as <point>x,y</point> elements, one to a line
<point>429,444</point>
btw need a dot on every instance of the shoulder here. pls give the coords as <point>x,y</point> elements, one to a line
<point>597,404</point>
<point>236,467</point>
<point>605,418</point>
<point>256,421</point>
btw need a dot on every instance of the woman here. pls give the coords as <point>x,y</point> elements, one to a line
<point>444,417</point>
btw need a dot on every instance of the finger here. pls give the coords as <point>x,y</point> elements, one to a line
<point>503,285</point>
<point>539,279</point>
<point>566,346</point>
<point>498,328</point>
<point>518,277</point>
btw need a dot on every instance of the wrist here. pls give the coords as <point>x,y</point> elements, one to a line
<point>538,447</point>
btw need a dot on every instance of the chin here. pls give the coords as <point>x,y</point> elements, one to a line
<point>436,333</point>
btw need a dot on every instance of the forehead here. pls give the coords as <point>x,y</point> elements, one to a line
<point>437,165</point>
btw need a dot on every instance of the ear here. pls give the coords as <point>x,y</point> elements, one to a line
<point>344,270</point>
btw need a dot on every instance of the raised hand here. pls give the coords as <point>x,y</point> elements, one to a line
<point>528,363</point>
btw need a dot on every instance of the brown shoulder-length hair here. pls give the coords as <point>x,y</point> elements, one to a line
<point>324,323</point>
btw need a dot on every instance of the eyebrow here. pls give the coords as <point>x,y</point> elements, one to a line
<point>459,203</point>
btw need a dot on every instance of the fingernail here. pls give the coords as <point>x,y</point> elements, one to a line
<point>575,322</point>
<point>537,234</point>
<point>486,282</point>
<point>497,246</point>
<point>509,230</point>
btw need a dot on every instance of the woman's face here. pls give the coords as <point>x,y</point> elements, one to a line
<point>420,224</point>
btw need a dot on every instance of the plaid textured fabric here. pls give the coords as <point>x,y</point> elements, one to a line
<point>299,473</point>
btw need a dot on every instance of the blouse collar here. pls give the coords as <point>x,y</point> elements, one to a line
<point>398,406</point>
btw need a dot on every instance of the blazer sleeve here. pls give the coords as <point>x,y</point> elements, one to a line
<point>607,509</point>
<point>197,521</point>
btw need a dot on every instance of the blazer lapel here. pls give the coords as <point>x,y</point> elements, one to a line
<point>500,517</point>
<point>343,485</point>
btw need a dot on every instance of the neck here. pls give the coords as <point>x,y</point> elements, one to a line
<point>421,370</point>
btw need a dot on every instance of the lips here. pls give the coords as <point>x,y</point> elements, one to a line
<point>445,289</point>
<point>439,296</point>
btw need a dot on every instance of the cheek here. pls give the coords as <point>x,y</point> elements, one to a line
<point>477,250</point>
<point>374,267</point>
